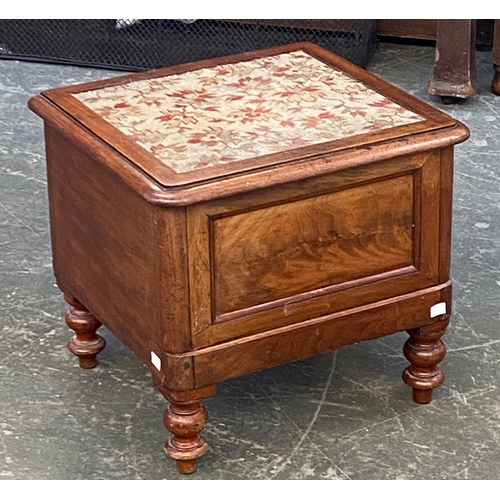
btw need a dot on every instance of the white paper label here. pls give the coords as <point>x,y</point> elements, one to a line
<point>155,359</point>
<point>438,309</point>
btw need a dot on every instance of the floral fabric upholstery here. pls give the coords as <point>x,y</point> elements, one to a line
<point>239,111</point>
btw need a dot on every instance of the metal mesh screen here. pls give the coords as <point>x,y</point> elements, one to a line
<point>135,45</point>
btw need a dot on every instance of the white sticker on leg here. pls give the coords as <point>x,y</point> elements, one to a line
<point>155,359</point>
<point>438,309</point>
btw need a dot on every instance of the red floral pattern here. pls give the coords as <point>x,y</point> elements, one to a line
<point>239,111</point>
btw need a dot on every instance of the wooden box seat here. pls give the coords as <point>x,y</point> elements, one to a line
<point>229,215</point>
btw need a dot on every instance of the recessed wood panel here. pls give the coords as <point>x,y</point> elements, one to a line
<point>284,250</point>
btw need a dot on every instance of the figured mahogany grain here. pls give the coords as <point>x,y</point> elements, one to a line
<point>275,252</point>
<point>310,294</point>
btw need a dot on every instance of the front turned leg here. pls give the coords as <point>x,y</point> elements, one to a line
<point>185,418</point>
<point>425,350</point>
<point>86,343</point>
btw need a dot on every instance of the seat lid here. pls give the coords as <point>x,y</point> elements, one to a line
<point>198,122</point>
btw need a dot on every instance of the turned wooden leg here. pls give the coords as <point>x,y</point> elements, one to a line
<point>425,350</point>
<point>86,343</point>
<point>185,418</point>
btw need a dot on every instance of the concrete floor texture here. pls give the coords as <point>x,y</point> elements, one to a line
<point>340,415</point>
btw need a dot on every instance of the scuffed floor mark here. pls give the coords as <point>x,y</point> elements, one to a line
<point>19,220</point>
<point>305,434</point>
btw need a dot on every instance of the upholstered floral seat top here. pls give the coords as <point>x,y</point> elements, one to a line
<point>238,111</point>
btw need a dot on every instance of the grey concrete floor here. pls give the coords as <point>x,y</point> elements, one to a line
<point>341,415</point>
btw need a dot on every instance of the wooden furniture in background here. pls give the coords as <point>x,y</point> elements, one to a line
<point>420,29</point>
<point>226,216</point>
<point>454,73</point>
<point>495,85</point>
<point>427,29</point>
<point>454,70</point>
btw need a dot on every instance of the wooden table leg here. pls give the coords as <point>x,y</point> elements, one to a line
<point>454,71</point>
<point>185,418</point>
<point>425,350</point>
<point>86,343</point>
<point>495,85</point>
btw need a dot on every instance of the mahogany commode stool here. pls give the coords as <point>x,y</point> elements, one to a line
<point>226,216</point>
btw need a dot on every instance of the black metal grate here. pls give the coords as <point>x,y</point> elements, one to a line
<point>135,45</point>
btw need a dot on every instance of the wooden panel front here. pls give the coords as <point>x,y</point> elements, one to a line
<point>291,248</point>
<point>286,254</point>
<point>282,345</point>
